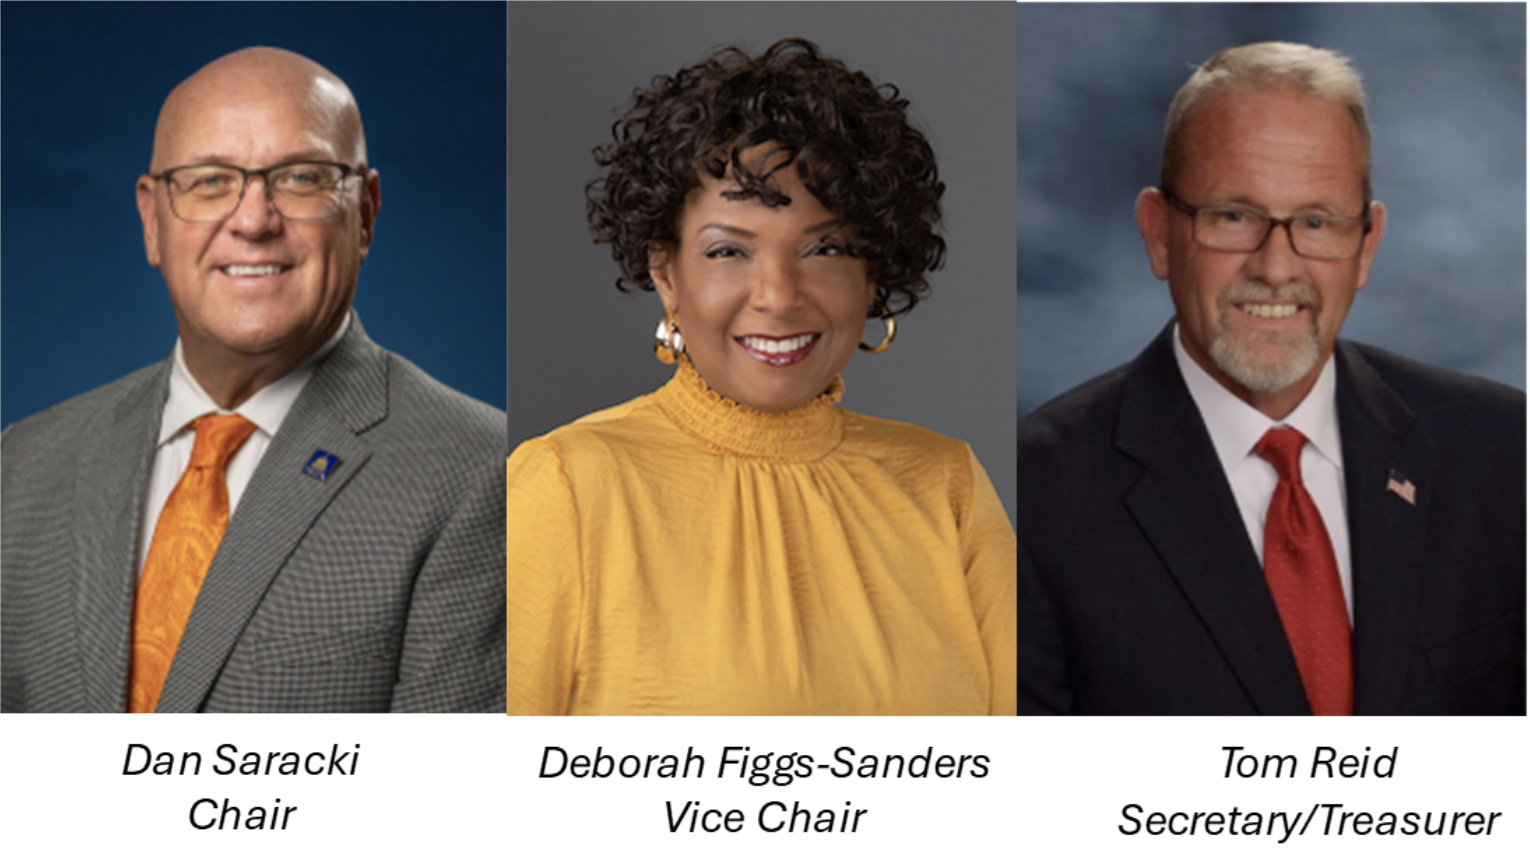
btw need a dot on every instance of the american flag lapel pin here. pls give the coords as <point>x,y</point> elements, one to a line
<point>1399,485</point>
<point>321,464</point>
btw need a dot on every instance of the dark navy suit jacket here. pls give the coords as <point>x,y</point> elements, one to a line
<point>1141,593</point>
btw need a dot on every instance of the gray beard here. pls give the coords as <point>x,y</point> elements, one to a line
<point>1265,362</point>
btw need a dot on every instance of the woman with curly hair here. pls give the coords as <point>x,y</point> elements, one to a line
<point>735,542</point>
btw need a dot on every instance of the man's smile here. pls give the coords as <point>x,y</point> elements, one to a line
<point>1265,310</point>
<point>244,270</point>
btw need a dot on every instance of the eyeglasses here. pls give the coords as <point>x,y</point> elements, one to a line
<point>298,191</point>
<point>1245,229</point>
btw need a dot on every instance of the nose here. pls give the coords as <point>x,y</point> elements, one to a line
<point>1276,262</point>
<point>256,215</point>
<point>777,287</point>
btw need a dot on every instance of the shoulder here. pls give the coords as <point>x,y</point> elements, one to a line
<point>929,468</point>
<point>922,459</point>
<point>1087,414</point>
<point>598,446</point>
<point>407,417</point>
<point>68,422</point>
<point>895,438</point>
<point>634,426</point>
<point>425,410</point>
<point>1440,396</point>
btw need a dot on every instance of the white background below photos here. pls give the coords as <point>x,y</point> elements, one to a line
<point>438,782</point>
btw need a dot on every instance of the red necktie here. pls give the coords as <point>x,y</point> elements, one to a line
<point>1303,575</point>
<point>185,539</point>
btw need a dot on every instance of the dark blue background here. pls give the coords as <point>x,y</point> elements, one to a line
<point>80,88</point>
<point>1446,90</point>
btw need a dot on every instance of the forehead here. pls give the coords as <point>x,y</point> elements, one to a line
<point>707,204</point>
<point>249,125</point>
<point>1272,146</point>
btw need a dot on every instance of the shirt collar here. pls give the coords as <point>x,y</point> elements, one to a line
<point>804,434</point>
<point>1236,427</point>
<point>266,409</point>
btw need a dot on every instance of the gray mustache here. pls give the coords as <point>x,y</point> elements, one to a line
<point>1305,295</point>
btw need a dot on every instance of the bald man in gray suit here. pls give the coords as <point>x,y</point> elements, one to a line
<point>361,560</point>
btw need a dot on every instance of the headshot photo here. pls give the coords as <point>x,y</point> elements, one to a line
<point>1287,293</point>
<point>222,492</point>
<point>759,347</point>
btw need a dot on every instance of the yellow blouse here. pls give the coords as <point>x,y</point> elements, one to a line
<point>683,554</point>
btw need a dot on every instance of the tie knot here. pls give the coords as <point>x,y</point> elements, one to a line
<point>219,436</point>
<point>1282,448</point>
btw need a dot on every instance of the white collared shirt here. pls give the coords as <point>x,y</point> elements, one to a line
<point>1236,428</point>
<point>188,401</point>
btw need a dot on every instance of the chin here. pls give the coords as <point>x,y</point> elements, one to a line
<point>1267,365</point>
<point>255,339</point>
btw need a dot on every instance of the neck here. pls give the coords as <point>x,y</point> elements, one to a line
<point>1277,405</point>
<point>781,409</point>
<point>231,378</point>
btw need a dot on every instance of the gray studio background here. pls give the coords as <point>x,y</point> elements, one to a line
<point>576,344</point>
<point>1446,90</point>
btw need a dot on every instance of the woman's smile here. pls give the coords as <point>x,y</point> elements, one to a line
<point>778,351</point>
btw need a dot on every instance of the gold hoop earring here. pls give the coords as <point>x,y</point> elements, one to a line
<point>668,343</point>
<point>891,323</point>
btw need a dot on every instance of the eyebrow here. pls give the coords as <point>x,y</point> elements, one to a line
<point>821,227</point>
<point>305,156</point>
<point>1327,207</point>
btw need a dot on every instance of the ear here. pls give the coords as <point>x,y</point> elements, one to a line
<point>1153,224</point>
<point>1372,241</point>
<point>150,217</point>
<point>662,273</point>
<point>371,203</point>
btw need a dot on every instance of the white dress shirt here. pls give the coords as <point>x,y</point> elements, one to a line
<point>188,401</point>
<point>1236,427</point>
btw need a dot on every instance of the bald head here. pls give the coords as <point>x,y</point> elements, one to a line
<point>259,290</point>
<point>259,75</point>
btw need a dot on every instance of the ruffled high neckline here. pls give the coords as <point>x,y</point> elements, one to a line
<point>806,433</point>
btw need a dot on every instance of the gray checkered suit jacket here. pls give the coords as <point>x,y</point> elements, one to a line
<point>379,588</point>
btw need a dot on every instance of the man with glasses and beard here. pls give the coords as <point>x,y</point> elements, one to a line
<point>1255,516</point>
<point>282,516</point>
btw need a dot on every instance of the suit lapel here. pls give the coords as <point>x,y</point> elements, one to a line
<point>1386,531</point>
<point>1187,511</point>
<point>112,475</point>
<point>347,395</point>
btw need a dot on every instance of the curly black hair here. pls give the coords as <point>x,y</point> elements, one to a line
<point>850,138</point>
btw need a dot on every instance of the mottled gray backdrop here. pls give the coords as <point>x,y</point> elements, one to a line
<point>576,345</point>
<point>1446,87</point>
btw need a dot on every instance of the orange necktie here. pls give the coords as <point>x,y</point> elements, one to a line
<point>1303,575</point>
<point>185,539</point>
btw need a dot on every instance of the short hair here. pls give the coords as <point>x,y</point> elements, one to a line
<point>851,140</point>
<point>1320,73</point>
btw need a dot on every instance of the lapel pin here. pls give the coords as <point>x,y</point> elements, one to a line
<point>1399,485</point>
<point>321,464</point>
